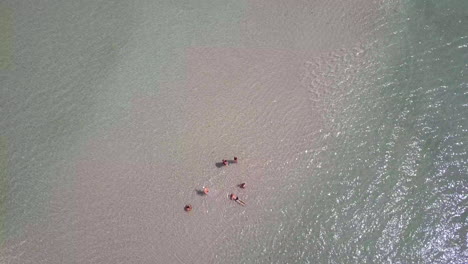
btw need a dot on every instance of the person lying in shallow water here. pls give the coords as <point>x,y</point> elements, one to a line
<point>227,162</point>
<point>235,198</point>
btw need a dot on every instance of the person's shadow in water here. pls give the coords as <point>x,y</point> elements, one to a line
<point>200,192</point>
<point>220,164</point>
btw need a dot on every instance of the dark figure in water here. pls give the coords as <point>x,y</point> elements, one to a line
<point>242,185</point>
<point>225,162</point>
<point>235,198</point>
<point>188,208</point>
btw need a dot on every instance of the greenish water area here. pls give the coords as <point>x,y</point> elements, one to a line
<point>3,187</point>
<point>100,145</point>
<point>392,182</point>
<point>69,71</point>
<point>5,37</point>
<point>389,181</point>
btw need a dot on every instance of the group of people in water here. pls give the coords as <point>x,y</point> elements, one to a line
<point>232,196</point>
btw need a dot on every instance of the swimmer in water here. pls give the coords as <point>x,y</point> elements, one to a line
<point>206,190</point>
<point>242,185</point>
<point>225,162</point>
<point>188,208</point>
<point>235,198</point>
<point>235,159</point>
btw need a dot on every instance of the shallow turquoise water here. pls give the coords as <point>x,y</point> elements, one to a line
<point>399,183</point>
<point>388,183</point>
<point>392,185</point>
<point>384,182</point>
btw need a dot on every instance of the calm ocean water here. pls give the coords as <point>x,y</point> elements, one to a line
<point>386,181</point>
<point>389,183</point>
<point>399,183</point>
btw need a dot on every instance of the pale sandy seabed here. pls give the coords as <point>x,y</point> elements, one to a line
<point>263,100</point>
